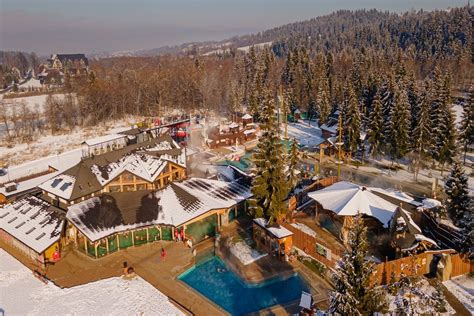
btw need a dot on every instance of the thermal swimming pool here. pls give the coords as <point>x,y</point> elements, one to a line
<point>217,282</point>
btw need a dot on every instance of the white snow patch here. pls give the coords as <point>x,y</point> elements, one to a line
<point>245,253</point>
<point>23,294</point>
<point>463,288</point>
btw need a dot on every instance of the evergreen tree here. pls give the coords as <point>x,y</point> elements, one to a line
<point>466,130</point>
<point>456,189</point>
<point>421,133</point>
<point>375,126</point>
<point>399,126</point>
<point>446,140</point>
<point>270,186</point>
<point>293,160</point>
<point>352,122</point>
<point>354,294</point>
<point>323,101</point>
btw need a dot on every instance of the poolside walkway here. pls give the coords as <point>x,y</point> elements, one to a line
<point>76,268</point>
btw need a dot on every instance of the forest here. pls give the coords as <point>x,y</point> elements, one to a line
<point>392,76</point>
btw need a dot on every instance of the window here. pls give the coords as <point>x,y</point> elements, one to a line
<point>128,188</point>
<point>141,186</point>
<point>320,249</point>
<point>114,188</point>
<point>127,177</point>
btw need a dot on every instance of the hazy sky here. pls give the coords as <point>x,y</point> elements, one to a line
<point>46,26</point>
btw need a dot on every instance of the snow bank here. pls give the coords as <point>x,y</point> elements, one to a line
<point>23,294</point>
<point>245,253</point>
<point>463,288</point>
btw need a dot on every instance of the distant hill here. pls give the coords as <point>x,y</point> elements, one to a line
<point>441,33</point>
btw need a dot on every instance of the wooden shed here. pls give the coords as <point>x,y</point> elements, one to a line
<point>274,239</point>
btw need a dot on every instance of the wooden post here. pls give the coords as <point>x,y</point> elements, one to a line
<point>85,244</point>
<point>147,235</point>
<point>96,244</point>
<point>133,238</point>
<point>107,244</point>
<point>161,236</point>
<point>118,242</point>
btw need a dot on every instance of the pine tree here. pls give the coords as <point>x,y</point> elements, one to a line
<point>446,141</point>
<point>323,100</point>
<point>466,130</point>
<point>421,133</point>
<point>399,126</point>
<point>354,294</point>
<point>375,125</point>
<point>270,186</point>
<point>293,160</point>
<point>352,122</point>
<point>456,189</point>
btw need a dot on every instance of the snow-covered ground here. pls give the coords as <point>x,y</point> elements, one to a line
<point>52,149</point>
<point>305,134</point>
<point>422,300</point>
<point>245,253</point>
<point>463,288</point>
<point>23,294</point>
<point>33,103</point>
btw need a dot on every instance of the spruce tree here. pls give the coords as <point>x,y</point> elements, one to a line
<point>352,122</point>
<point>375,126</point>
<point>446,141</point>
<point>466,130</point>
<point>270,186</point>
<point>323,101</point>
<point>293,160</point>
<point>456,189</point>
<point>421,133</point>
<point>399,126</point>
<point>354,294</point>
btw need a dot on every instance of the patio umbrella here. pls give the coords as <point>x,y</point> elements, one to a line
<point>348,199</point>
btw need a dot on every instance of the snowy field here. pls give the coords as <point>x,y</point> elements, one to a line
<point>463,288</point>
<point>245,253</point>
<point>23,294</point>
<point>33,103</point>
<point>55,149</point>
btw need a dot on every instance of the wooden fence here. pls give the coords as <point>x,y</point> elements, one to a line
<point>461,265</point>
<point>315,247</point>
<point>416,265</point>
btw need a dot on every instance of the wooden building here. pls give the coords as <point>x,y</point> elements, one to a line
<point>276,239</point>
<point>34,227</point>
<point>196,208</point>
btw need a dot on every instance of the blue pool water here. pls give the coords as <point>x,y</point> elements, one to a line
<point>230,292</point>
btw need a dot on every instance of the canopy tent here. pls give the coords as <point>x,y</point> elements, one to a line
<point>347,199</point>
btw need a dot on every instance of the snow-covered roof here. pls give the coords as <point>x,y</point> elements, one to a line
<point>27,185</point>
<point>32,221</point>
<point>247,116</point>
<point>234,125</point>
<point>103,139</point>
<point>249,131</point>
<point>398,195</point>
<point>60,185</point>
<point>175,205</point>
<point>277,231</point>
<point>348,199</point>
<point>144,166</point>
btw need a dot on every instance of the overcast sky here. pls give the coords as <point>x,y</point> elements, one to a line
<point>46,26</point>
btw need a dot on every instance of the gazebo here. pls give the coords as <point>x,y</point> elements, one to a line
<point>346,200</point>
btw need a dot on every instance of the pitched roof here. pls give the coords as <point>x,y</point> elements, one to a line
<point>412,234</point>
<point>347,199</point>
<point>32,221</point>
<point>73,58</point>
<point>175,205</point>
<point>91,174</point>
